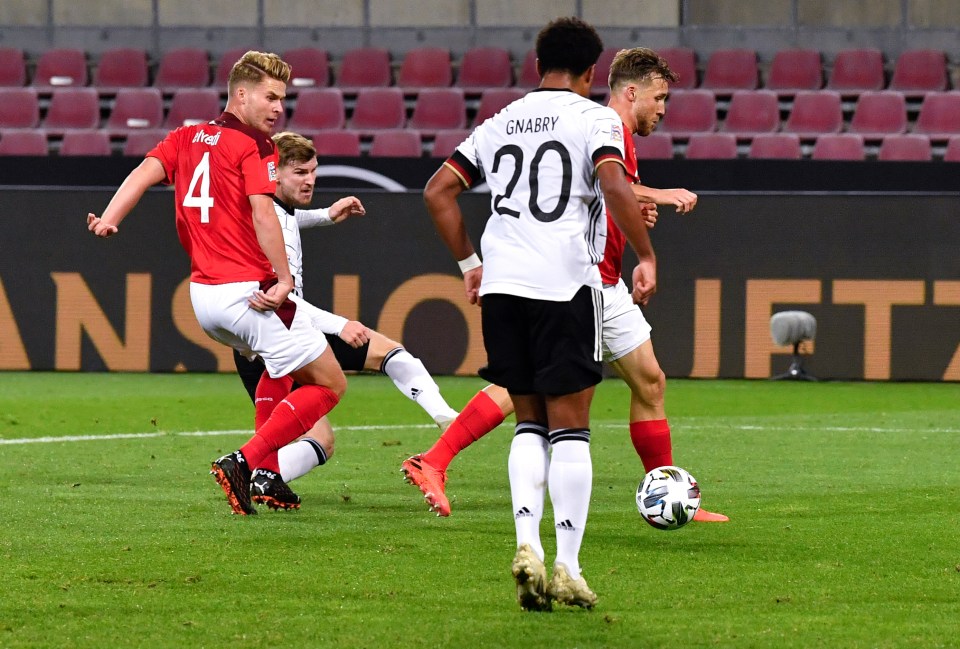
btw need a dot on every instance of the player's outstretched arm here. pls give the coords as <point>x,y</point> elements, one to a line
<point>341,210</point>
<point>682,199</point>
<point>147,174</point>
<point>345,208</point>
<point>627,213</point>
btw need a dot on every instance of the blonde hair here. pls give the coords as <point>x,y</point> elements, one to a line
<point>254,66</point>
<point>294,148</point>
<point>637,65</point>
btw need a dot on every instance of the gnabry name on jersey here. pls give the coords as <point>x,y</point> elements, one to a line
<point>206,139</point>
<point>532,124</point>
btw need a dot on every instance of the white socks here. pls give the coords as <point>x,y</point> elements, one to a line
<point>527,466</point>
<point>571,480</point>
<point>412,379</point>
<point>298,458</point>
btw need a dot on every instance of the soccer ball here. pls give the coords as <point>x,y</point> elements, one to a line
<point>668,497</point>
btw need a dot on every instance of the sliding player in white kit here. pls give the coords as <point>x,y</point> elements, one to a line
<point>356,347</point>
<point>551,160</point>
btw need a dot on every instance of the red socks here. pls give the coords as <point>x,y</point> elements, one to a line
<point>479,417</point>
<point>651,438</point>
<point>291,418</point>
<point>270,392</point>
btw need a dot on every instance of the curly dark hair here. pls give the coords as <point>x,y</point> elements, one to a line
<point>568,45</point>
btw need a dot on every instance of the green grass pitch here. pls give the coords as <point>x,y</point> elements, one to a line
<point>843,499</point>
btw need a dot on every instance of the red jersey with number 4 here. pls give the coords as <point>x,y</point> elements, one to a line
<point>611,267</point>
<point>214,168</point>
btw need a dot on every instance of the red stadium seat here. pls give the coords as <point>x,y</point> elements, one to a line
<point>72,109</point>
<point>121,68</point>
<point>683,61</point>
<point>379,109</point>
<point>184,67</point>
<point>62,67</point>
<point>729,70</point>
<point>311,68</point>
<point>485,67</point>
<point>396,143</point>
<point>425,67</point>
<point>952,153</point>
<point>602,71</point>
<point>857,70</point>
<point>839,146</point>
<point>135,109</point>
<point>318,109</point>
<point>879,113</point>
<point>446,142</point>
<point>711,146</point>
<point>493,100</point>
<point>690,111</point>
<point>367,67</point>
<point>917,72</point>
<point>19,108</point>
<point>656,146</point>
<point>225,64</point>
<point>339,142</point>
<point>752,112</point>
<point>139,143</point>
<point>785,146</point>
<point>192,106</point>
<point>528,71</point>
<point>438,109</point>
<point>795,70</point>
<point>31,143</point>
<point>815,112</point>
<point>906,147</point>
<point>91,143</point>
<point>939,116</point>
<point>13,67</point>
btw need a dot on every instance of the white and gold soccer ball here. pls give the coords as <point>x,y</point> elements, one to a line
<point>668,497</point>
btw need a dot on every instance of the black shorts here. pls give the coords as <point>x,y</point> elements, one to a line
<point>350,359</point>
<point>543,347</point>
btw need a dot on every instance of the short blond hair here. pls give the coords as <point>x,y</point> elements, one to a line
<point>294,148</point>
<point>637,65</point>
<point>254,66</point>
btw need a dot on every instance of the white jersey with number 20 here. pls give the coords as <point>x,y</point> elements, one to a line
<point>547,228</point>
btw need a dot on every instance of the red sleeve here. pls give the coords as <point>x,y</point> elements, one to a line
<point>166,152</point>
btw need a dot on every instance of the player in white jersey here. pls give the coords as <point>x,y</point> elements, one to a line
<point>356,347</point>
<point>551,160</point>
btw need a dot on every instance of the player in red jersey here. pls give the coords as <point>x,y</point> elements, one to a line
<point>224,173</point>
<point>638,91</point>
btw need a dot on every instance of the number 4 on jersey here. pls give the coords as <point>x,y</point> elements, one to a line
<point>203,200</point>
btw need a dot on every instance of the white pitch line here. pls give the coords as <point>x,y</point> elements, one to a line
<point>678,425</point>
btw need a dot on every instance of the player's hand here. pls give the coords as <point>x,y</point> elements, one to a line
<point>471,284</point>
<point>644,282</point>
<point>682,199</point>
<point>271,299</point>
<point>649,211</point>
<point>99,228</point>
<point>345,208</point>
<point>355,334</point>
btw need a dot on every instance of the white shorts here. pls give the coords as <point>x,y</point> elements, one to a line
<point>223,312</point>
<point>624,327</point>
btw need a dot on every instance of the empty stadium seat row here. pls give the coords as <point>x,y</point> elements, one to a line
<point>852,71</point>
<point>409,143</point>
<point>811,113</point>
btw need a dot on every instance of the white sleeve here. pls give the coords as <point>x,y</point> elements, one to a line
<point>329,323</point>
<point>313,218</point>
